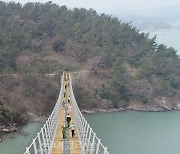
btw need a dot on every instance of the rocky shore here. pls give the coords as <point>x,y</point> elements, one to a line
<point>11,128</point>
<point>8,129</point>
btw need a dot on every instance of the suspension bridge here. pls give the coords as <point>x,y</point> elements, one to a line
<point>50,139</point>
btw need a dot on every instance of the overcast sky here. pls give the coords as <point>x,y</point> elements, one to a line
<point>113,7</point>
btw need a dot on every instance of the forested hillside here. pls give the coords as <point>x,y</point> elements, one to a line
<point>114,65</point>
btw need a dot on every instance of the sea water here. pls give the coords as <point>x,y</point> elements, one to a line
<point>15,143</point>
<point>132,132</point>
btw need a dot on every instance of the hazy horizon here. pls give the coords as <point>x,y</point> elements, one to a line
<point>113,7</point>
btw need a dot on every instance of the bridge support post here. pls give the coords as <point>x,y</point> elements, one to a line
<point>27,150</point>
<point>92,144</point>
<point>97,148</point>
<point>89,140</point>
<point>86,136</point>
<point>105,150</point>
<point>34,145</point>
<point>83,132</point>
<point>44,142</point>
<point>49,128</point>
<point>83,123</point>
<point>47,139</point>
<point>48,131</point>
<point>40,144</point>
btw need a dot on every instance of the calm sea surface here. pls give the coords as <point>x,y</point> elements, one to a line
<point>133,132</point>
<point>127,132</point>
<point>16,143</point>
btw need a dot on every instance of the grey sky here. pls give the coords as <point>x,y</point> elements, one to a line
<point>113,7</point>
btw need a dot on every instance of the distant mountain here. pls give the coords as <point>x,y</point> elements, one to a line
<point>171,12</point>
<point>164,13</point>
<point>160,18</point>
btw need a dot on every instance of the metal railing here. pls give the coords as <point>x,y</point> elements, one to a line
<point>89,142</point>
<point>44,141</point>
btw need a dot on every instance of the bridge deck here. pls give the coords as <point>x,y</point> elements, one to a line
<point>71,145</point>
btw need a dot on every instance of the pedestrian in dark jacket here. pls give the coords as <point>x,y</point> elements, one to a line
<point>68,118</point>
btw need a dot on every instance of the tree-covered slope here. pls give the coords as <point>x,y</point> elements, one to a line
<point>114,65</point>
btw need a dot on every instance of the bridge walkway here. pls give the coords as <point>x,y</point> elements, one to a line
<point>74,142</point>
<point>71,145</point>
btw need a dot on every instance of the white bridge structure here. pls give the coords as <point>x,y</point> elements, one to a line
<point>49,139</point>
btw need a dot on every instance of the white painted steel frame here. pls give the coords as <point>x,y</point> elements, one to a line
<point>89,142</point>
<point>44,141</point>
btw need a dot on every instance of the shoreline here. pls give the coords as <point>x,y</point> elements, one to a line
<point>138,109</point>
<point>42,118</point>
<point>32,118</point>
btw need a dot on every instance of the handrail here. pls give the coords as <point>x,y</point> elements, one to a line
<point>89,142</point>
<point>44,141</point>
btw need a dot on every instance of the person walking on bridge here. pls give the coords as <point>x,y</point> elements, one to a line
<point>69,99</point>
<point>63,104</point>
<point>68,118</point>
<point>69,108</point>
<point>72,127</point>
<point>64,129</point>
<point>64,94</point>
